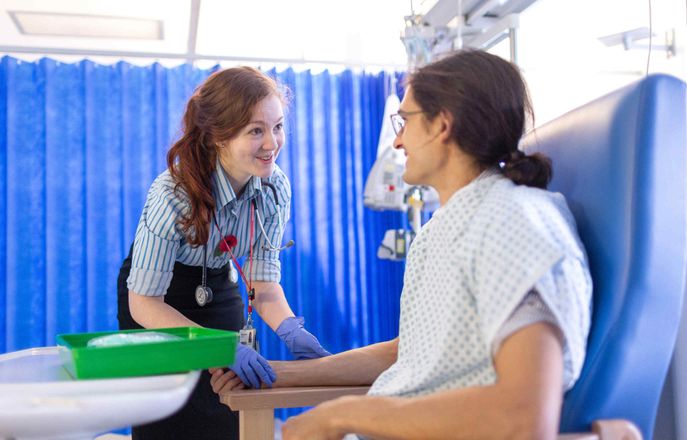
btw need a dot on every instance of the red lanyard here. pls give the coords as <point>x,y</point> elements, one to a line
<point>249,281</point>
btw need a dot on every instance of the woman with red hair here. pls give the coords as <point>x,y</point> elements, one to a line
<point>221,198</point>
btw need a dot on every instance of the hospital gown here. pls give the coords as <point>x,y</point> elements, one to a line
<point>494,247</point>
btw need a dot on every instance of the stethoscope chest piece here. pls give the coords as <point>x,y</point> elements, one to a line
<point>203,295</point>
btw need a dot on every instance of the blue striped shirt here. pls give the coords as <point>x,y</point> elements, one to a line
<point>159,242</point>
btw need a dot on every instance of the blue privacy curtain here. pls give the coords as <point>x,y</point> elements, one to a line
<point>80,145</point>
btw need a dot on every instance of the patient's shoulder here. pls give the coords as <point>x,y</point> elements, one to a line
<point>511,211</point>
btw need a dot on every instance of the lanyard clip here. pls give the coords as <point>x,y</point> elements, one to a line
<point>251,297</point>
<point>248,334</point>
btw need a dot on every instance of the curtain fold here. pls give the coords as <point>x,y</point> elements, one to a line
<point>83,142</point>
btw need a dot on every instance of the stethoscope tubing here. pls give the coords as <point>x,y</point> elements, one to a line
<point>269,247</point>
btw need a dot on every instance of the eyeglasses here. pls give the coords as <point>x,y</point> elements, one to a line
<point>398,120</point>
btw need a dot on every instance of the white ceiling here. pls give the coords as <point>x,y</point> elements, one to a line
<point>561,34</point>
<point>352,33</point>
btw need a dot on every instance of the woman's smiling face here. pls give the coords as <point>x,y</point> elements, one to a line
<point>254,150</point>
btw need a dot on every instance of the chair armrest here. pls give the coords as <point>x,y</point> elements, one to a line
<point>578,436</point>
<point>612,429</point>
<point>292,397</point>
<point>616,429</point>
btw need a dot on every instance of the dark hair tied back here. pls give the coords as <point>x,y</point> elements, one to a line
<point>533,170</point>
<point>512,156</point>
<point>488,100</point>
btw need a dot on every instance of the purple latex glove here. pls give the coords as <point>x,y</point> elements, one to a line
<point>252,368</point>
<point>300,342</point>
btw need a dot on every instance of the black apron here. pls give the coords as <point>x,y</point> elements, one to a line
<point>203,417</point>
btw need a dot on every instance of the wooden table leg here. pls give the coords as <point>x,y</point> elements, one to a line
<point>256,424</point>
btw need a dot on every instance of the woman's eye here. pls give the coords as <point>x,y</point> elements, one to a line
<point>279,127</point>
<point>256,131</point>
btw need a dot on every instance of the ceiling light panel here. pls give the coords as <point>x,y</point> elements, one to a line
<point>168,34</point>
<point>86,26</point>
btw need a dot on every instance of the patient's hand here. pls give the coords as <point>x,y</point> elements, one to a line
<point>321,422</point>
<point>224,380</point>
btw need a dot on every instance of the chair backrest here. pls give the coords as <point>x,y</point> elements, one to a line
<point>620,162</point>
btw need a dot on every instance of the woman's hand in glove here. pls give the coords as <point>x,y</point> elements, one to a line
<point>252,368</point>
<point>300,342</point>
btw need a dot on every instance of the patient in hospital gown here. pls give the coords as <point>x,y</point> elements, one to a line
<point>495,258</point>
<point>495,308</point>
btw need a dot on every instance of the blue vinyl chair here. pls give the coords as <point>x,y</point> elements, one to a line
<point>620,162</point>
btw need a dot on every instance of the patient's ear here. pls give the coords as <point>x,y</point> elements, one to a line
<point>445,122</point>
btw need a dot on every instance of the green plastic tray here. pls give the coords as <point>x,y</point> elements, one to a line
<point>199,349</point>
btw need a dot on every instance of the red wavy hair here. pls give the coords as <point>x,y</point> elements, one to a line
<point>217,111</point>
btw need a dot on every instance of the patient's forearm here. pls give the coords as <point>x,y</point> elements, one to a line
<point>354,367</point>
<point>523,403</point>
<point>474,413</point>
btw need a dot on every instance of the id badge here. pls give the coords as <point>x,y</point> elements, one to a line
<point>248,336</point>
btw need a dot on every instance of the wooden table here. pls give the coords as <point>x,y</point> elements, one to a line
<point>256,407</point>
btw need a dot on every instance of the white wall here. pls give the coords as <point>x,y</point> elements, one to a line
<point>566,65</point>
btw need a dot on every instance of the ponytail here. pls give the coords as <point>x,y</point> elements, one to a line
<point>531,170</point>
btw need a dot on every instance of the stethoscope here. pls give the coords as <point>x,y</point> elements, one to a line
<point>203,293</point>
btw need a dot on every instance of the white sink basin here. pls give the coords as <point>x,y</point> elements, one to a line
<point>40,400</point>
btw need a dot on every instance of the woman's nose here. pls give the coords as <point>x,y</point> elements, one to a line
<point>397,142</point>
<point>272,143</point>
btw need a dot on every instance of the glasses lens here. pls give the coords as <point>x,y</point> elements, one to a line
<point>397,123</point>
